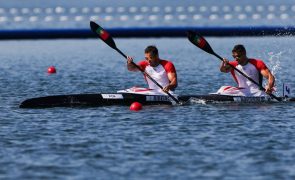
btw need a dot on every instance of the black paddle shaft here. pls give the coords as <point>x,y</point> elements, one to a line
<point>106,37</point>
<point>201,43</point>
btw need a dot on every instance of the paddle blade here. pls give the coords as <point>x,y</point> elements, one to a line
<point>199,41</point>
<point>103,34</point>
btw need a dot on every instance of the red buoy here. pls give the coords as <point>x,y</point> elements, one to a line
<point>136,106</point>
<point>51,70</point>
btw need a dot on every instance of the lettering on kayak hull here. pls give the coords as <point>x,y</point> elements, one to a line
<point>157,98</point>
<point>251,99</point>
<point>112,96</point>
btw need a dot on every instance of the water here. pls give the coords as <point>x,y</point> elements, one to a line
<point>198,141</point>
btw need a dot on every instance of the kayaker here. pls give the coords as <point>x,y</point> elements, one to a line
<point>162,71</point>
<point>253,68</point>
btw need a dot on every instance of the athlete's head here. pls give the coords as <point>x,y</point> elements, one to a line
<point>152,55</point>
<point>239,48</point>
<point>239,52</point>
<point>152,50</point>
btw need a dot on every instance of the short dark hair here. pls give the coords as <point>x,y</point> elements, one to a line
<point>239,48</point>
<point>152,50</point>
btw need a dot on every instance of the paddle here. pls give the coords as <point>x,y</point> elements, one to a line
<point>201,43</point>
<point>106,37</point>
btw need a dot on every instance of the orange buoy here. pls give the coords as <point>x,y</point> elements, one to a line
<point>136,106</point>
<point>51,70</point>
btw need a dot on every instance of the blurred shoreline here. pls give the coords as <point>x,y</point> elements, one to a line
<point>218,16</point>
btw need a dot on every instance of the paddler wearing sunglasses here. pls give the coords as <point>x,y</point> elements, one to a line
<point>253,68</point>
<point>163,71</point>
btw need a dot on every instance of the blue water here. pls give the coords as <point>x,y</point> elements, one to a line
<point>197,141</point>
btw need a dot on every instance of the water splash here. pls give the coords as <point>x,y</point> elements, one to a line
<point>275,62</point>
<point>197,101</point>
<point>275,66</point>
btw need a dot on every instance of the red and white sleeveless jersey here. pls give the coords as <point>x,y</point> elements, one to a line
<point>158,73</point>
<point>251,69</point>
<point>245,86</point>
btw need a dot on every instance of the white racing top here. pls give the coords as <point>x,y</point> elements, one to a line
<point>245,87</point>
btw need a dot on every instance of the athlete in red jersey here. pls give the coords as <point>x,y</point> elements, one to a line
<point>253,68</point>
<point>162,71</point>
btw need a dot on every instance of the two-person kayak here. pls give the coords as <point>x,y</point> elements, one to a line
<point>128,96</point>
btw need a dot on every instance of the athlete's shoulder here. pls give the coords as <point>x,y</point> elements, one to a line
<point>168,65</point>
<point>233,63</point>
<point>143,64</point>
<point>258,63</point>
<point>163,62</point>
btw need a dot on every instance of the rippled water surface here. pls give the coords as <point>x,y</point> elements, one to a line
<point>197,141</point>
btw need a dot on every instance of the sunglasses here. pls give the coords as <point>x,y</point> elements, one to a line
<point>237,56</point>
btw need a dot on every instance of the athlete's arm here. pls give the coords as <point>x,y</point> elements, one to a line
<point>270,78</point>
<point>130,65</point>
<point>172,76</point>
<point>224,66</point>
